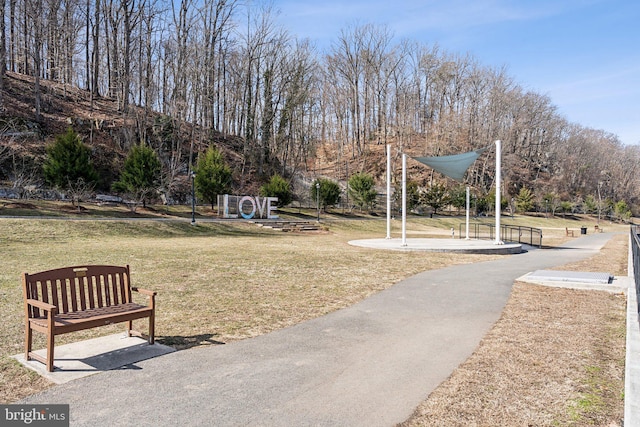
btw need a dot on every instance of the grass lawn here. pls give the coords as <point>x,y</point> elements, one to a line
<point>219,282</point>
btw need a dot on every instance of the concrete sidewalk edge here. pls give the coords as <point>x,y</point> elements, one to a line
<point>632,362</point>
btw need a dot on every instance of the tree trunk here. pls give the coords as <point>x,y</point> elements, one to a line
<point>3,50</point>
<point>95,51</point>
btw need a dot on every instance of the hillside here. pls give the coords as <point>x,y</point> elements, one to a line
<point>585,173</point>
<point>110,133</point>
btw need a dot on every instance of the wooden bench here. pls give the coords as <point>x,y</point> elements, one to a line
<point>569,232</point>
<point>598,229</point>
<point>75,298</point>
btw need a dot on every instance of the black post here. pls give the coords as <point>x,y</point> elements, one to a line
<point>193,198</point>
<point>318,199</point>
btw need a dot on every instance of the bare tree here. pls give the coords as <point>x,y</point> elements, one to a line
<point>95,50</point>
<point>3,49</point>
<point>12,35</point>
<point>197,64</point>
<point>216,22</point>
<point>33,16</point>
<point>347,62</point>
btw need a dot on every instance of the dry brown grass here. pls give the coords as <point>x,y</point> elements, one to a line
<point>215,282</point>
<point>224,282</point>
<point>555,358</point>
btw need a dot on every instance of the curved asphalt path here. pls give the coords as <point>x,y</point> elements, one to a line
<point>367,365</point>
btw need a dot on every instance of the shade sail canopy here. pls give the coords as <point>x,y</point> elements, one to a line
<point>452,166</point>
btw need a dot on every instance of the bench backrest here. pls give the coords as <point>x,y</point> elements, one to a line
<point>78,288</point>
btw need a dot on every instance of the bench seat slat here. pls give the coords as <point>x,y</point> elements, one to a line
<point>79,320</point>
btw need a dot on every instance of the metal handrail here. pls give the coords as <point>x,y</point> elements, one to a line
<point>510,233</point>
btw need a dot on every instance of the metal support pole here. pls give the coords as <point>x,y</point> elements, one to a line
<point>404,200</point>
<point>388,191</point>
<point>467,225</point>
<point>498,184</point>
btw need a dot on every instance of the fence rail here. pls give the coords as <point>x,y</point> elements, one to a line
<point>635,253</point>
<point>511,233</point>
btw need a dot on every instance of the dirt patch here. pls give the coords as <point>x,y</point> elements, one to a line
<point>73,209</point>
<point>19,205</point>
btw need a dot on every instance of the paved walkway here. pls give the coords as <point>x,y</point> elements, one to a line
<point>367,365</point>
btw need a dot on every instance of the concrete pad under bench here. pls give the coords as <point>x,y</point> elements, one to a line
<point>84,358</point>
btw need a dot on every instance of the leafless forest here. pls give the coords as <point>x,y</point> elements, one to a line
<point>186,74</point>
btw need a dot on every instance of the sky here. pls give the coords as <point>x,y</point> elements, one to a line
<point>583,54</point>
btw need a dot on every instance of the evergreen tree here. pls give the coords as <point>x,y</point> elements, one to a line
<point>524,200</point>
<point>329,192</point>
<point>590,204</point>
<point>68,166</point>
<point>458,197</point>
<point>277,187</point>
<point>362,191</point>
<point>566,206</point>
<point>622,210</point>
<point>140,175</point>
<point>413,195</point>
<point>435,196</point>
<point>213,176</point>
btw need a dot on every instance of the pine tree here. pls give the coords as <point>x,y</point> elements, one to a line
<point>362,191</point>
<point>435,196</point>
<point>140,175</point>
<point>213,176</point>
<point>68,166</point>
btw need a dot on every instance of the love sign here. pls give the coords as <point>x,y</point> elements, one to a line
<point>248,206</point>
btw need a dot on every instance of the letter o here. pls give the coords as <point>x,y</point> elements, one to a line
<point>253,207</point>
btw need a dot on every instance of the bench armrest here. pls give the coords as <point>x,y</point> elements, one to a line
<point>150,294</point>
<point>144,291</point>
<point>42,305</point>
<point>50,309</point>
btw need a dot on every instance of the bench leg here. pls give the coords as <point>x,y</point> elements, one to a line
<point>28,340</point>
<point>129,327</point>
<point>152,332</point>
<point>50,346</point>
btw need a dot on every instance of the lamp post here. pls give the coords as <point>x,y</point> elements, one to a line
<point>318,199</point>
<point>193,198</point>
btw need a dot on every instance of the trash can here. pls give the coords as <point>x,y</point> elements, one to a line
<point>583,230</point>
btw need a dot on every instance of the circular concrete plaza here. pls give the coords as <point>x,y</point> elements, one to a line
<point>441,245</point>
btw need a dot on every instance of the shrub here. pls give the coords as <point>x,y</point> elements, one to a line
<point>277,187</point>
<point>329,192</point>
